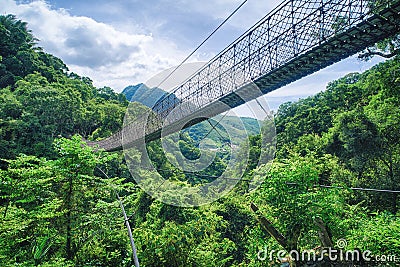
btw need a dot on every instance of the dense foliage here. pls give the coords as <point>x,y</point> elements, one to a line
<point>41,100</point>
<point>58,209</point>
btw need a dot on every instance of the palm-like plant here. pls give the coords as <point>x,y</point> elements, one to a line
<point>40,248</point>
<point>14,35</point>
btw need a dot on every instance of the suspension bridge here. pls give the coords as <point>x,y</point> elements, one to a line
<point>296,39</point>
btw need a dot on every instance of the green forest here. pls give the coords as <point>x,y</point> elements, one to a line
<point>58,207</point>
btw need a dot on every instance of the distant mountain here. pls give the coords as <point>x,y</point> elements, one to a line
<point>131,90</point>
<point>143,94</point>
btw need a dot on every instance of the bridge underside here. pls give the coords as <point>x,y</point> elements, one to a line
<point>340,45</point>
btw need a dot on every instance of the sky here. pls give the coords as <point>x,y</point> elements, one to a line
<point>126,42</point>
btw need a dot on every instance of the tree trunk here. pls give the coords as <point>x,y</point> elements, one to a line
<point>267,225</point>
<point>323,234</point>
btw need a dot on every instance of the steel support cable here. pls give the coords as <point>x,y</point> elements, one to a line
<point>213,128</point>
<point>248,180</point>
<point>362,189</point>
<point>201,44</point>
<point>353,188</point>
<point>126,221</point>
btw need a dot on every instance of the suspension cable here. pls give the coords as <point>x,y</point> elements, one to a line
<point>213,128</point>
<point>126,220</point>
<point>362,189</point>
<point>293,184</point>
<point>201,44</point>
<point>353,188</point>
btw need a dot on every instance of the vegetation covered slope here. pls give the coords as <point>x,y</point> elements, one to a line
<point>40,99</point>
<point>356,120</point>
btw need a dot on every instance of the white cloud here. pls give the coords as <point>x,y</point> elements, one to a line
<point>105,54</point>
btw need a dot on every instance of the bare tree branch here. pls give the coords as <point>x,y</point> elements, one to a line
<point>371,53</point>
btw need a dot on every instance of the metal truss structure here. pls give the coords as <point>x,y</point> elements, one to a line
<point>297,38</point>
